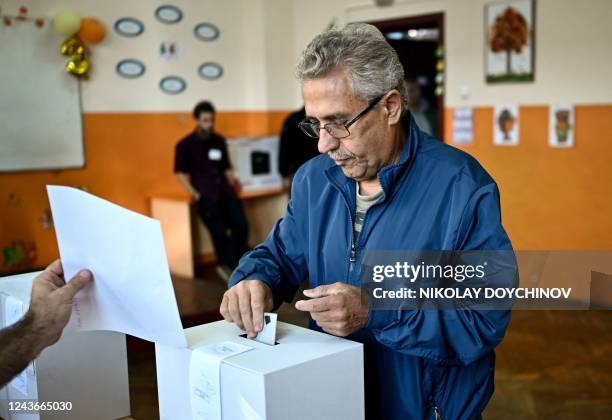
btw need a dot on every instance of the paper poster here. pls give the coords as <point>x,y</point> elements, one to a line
<point>561,126</point>
<point>463,125</point>
<point>131,291</point>
<point>205,378</point>
<point>506,125</point>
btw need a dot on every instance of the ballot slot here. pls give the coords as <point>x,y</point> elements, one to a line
<point>268,333</point>
<point>245,336</point>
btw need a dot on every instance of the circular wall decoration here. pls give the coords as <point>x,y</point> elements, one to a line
<point>130,68</point>
<point>210,71</point>
<point>172,84</point>
<point>168,14</point>
<point>206,31</point>
<point>129,27</point>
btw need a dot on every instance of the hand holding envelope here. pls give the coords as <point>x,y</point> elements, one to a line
<point>245,304</point>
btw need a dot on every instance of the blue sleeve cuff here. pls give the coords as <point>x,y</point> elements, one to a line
<point>381,318</point>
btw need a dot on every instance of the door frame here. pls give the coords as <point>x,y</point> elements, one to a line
<point>409,22</point>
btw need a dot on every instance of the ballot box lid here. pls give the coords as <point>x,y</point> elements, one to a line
<point>296,345</point>
<point>18,286</point>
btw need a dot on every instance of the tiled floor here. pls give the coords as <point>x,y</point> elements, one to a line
<point>551,365</point>
<point>555,365</point>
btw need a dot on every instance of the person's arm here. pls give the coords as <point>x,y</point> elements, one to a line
<point>231,177</point>
<point>226,164</point>
<point>271,272</point>
<point>42,326</point>
<point>182,169</point>
<point>186,183</point>
<point>19,345</point>
<point>454,336</point>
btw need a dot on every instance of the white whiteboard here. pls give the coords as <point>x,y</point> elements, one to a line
<point>40,104</point>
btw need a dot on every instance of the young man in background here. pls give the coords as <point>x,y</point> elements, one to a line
<point>203,167</point>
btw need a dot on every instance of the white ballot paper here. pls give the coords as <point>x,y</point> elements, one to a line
<point>268,333</point>
<point>131,290</point>
<point>205,378</point>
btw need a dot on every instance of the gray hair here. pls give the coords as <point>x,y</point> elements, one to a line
<point>361,49</point>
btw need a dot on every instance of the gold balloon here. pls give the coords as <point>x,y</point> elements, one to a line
<point>68,46</point>
<point>78,64</point>
<point>78,67</point>
<point>80,50</point>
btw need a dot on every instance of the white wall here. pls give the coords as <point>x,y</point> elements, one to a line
<point>573,46</point>
<point>252,48</point>
<point>261,41</point>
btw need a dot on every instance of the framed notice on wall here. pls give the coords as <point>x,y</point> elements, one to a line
<point>509,43</point>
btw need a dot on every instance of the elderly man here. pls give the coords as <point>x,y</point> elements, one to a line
<point>48,314</point>
<point>380,184</point>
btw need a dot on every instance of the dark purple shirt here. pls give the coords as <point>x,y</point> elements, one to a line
<point>205,160</point>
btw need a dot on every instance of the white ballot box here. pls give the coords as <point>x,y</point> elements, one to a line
<point>306,375</point>
<point>84,374</point>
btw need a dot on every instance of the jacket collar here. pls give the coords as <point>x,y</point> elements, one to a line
<point>390,174</point>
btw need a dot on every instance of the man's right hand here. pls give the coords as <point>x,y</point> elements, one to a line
<point>49,312</point>
<point>51,302</point>
<point>245,304</point>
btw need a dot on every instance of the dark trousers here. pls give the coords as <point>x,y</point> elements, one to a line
<point>228,228</point>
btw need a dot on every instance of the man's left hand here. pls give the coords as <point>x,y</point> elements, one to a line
<point>336,308</point>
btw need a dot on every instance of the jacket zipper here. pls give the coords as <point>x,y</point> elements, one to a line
<point>437,412</point>
<point>353,256</point>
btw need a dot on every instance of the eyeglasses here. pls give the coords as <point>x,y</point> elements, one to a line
<point>336,130</point>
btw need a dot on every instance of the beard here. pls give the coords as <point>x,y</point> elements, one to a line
<point>203,133</point>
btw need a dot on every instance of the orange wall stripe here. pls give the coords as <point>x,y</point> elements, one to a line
<point>551,198</point>
<point>129,157</point>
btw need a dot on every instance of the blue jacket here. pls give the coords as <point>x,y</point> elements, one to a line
<point>435,198</point>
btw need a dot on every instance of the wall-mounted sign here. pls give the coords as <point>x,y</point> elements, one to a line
<point>168,14</point>
<point>129,27</point>
<point>130,68</point>
<point>463,125</point>
<point>506,125</point>
<point>210,71</point>
<point>206,31</point>
<point>562,126</point>
<point>172,85</point>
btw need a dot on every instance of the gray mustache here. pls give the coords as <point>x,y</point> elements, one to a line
<point>340,155</point>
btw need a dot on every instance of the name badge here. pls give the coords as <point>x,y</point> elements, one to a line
<point>214,154</point>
